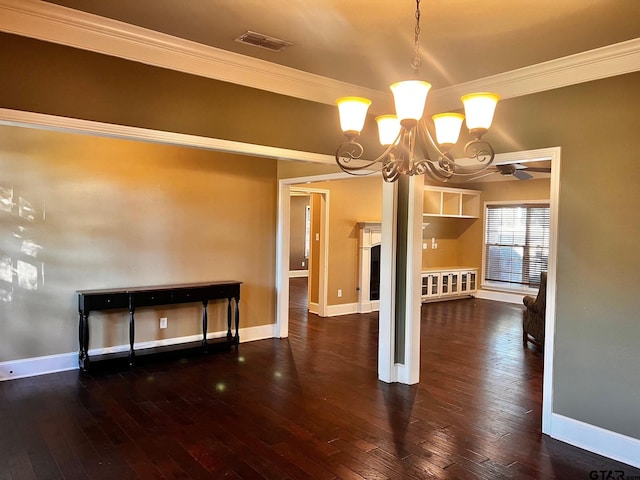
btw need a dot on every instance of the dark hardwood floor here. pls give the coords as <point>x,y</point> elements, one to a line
<point>306,407</point>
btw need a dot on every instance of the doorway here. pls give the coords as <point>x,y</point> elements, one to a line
<point>310,231</point>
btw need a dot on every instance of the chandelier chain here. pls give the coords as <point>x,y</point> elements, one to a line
<point>416,61</point>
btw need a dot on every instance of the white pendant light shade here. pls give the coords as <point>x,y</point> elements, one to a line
<point>448,127</point>
<point>479,109</point>
<point>388,129</point>
<point>410,97</point>
<point>353,111</point>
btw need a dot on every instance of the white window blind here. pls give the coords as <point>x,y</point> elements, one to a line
<point>516,244</point>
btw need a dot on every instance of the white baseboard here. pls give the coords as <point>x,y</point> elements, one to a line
<point>298,273</point>
<point>500,296</point>
<point>368,307</point>
<point>29,367</point>
<point>334,310</point>
<point>314,307</point>
<point>596,439</point>
<point>342,309</point>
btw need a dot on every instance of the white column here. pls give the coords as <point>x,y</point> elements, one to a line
<point>401,260</point>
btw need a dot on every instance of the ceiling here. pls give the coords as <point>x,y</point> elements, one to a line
<point>370,42</point>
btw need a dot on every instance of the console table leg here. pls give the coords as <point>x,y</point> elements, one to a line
<point>229,334</point>
<point>237,340</point>
<point>132,334</point>
<point>204,324</point>
<point>83,340</point>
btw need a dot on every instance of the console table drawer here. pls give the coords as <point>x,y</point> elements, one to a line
<point>149,299</point>
<point>104,302</point>
<point>186,296</point>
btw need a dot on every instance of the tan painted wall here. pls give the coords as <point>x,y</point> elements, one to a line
<point>297,259</point>
<point>116,213</point>
<point>351,201</point>
<point>446,232</point>
<point>64,81</point>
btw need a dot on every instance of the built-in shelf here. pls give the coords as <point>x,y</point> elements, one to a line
<point>447,283</point>
<point>451,202</point>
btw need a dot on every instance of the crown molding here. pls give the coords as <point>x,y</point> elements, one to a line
<point>604,62</point>
<point>65,26</point>
<point>74,28</point>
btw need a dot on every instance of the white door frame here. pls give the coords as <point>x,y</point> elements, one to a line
<point>552,154</point>
<point>321,307</point>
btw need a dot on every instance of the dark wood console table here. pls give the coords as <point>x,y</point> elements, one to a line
<point>132,298</point>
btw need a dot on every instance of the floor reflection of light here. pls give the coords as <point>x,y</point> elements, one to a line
<point>220,387</point>
<point>277,375</point>
<point>241,359</point>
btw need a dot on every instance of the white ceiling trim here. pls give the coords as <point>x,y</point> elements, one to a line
<point>609,61</point>
<point>73,125</point>
<point>57,24</point>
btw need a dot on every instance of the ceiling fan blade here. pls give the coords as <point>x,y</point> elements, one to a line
<point>522,175</point>
<point>506,169</point>
<point>539,169</point>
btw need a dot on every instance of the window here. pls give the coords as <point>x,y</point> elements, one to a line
<point>516,244</point>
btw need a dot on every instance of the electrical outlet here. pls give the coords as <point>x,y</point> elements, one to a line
<point>425,246</point>
<point>303,263</point>
<point>163,322</point>
<point>339,293</point>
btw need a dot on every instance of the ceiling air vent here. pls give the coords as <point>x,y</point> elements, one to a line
<point>263,41</point>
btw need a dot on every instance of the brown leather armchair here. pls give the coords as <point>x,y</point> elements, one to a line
<point>534,315</point>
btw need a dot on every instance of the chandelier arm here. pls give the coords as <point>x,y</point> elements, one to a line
<point>481,150</point>
<point>437,174</point>
<point>390,171</point>
<point>425,131</point>
<point>477,148</point>
<point>353,150</point>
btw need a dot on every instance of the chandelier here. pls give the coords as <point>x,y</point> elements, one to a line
<point>406,132</point>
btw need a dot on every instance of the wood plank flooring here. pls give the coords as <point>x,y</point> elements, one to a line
<point>306,407</point>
